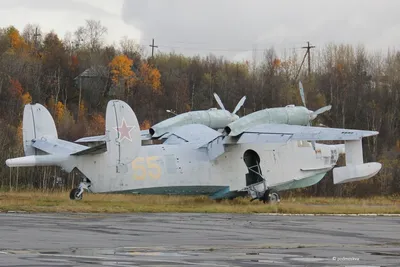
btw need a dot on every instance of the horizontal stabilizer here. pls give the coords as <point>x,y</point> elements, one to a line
<point>57,146</point>
<point>102,138</point>
<point>89,139</point>
<point>355,173</point>
<point>102,148</point>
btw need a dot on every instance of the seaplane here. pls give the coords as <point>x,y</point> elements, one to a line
<point>208,152</point>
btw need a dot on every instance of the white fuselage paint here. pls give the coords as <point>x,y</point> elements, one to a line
<point>182,165</point>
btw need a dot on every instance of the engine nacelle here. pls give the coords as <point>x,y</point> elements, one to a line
<point>213,118</point>
<point>283,115</point>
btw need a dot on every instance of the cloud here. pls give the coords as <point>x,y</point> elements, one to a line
<point>67,15</point>
<point>230,27</point>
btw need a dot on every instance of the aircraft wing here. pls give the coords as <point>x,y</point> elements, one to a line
<point>278,133</point>
<point>195,135</point>
<point>355,169</point>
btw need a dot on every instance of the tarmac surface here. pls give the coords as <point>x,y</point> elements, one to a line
<point>197,240</point>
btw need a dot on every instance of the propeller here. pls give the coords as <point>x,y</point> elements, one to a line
<point>312,114</point>
<point>238,106</point>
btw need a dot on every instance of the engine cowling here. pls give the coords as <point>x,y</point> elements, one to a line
<point>292,115</point>
<point>213,118</point>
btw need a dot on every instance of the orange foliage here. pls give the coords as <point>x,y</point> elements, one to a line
<point>339,67</point>
<point>277,62</point>
<point>187,108</point>
<point>74,62</point>
<point>145,125</point>
<point>151,77</point>
<point>16,40</point>
<point>59,111</point>
<point>121,69</point>
<point>26,98</point>
<point>15,88</point>
<point>97,125</point>
<point>99,120</point>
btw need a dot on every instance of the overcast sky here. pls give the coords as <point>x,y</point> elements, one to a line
<point>223,27</point>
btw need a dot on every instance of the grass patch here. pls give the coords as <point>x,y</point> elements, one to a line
<point>37,201</point>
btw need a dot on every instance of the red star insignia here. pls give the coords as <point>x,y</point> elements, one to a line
<point>124,131</point>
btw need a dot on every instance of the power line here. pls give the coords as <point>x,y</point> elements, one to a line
<point>208,43</point>
<point>218,49</point>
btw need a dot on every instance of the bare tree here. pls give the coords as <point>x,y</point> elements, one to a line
<point>91,36</point>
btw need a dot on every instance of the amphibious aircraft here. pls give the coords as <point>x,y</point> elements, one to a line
<point>252,155</point>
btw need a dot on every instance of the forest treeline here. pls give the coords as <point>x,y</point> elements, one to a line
<point>75,76</point>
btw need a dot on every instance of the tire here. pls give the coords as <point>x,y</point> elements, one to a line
<point>73,195</point>
<point>274,197</point>
<point>271,196</point>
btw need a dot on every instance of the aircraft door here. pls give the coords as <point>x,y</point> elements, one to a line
<point>252,161</point>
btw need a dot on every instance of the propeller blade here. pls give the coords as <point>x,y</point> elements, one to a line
<point>322,110</point>
<point>302,93</point>
<point>314,114</point>
<point>219,101</point>
<point>239,105</point>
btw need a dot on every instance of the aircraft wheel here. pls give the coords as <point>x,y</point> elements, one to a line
<point>274,197</point>
<point>74,194</point>
<point>271,196</point>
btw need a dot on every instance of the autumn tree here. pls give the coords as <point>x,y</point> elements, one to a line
<point>17,42</point>
<point>150,77</point>
<point>122,74</point>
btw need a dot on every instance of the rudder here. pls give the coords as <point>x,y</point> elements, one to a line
<point>36,123</point>
<point>123,134</point>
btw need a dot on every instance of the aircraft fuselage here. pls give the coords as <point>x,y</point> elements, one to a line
<point>183,170</point>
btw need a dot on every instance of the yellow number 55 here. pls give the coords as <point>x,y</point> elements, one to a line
<point>142,170</point>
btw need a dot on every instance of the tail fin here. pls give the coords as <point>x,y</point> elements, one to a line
<point>40,140</point>
<point>37,123</point>
<point>122,134</point>
<point>42,146</point>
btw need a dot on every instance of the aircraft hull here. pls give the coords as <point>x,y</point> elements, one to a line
<point>183,170</point>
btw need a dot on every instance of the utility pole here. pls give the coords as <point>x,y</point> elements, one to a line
<point>35,36</point>
<point>308,47</point>
<point>152,48</point>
